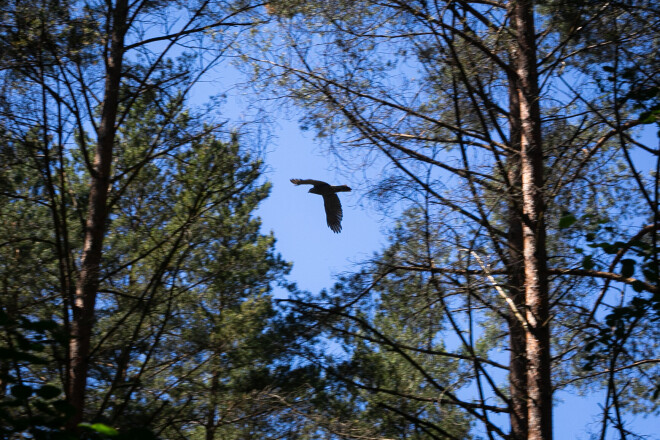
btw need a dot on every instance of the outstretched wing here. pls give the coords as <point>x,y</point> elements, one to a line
<point>333,212</point>
<point>308,182</point>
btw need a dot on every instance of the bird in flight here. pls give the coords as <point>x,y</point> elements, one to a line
<point>333,212</point>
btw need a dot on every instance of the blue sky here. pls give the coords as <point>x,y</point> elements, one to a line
<point>298,218</point>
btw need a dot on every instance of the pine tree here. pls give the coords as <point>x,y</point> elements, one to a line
<point>128,218</point>
<point>511,126</point>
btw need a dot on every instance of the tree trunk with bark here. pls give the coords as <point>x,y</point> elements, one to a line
<point>97,215</point>
<point>539,390</point>
<point>516,279</point>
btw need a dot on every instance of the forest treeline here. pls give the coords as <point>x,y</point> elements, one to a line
<point>518,137</point>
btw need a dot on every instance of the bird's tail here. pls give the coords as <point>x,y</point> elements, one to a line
<point>341,188</point>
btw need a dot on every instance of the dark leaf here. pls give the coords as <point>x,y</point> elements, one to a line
<point>649,117</point>
<point>627,267</point>
<point>21,392</point>
<point>64,407</point>
<point>137,434</point>
<point>41,325</point>
<point>48,392</point>
<point>638,286</point>
<point>566,221</point>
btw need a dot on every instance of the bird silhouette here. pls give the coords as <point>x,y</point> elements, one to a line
<point>333,211</point>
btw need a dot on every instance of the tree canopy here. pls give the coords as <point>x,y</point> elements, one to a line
<point>516,137</point>
<point>511,131</point>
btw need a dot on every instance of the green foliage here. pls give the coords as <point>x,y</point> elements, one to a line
<point>567,220</point>
<point>100,428</point>
<point>32,405</point>
<point>70,34</point>
<point>642,93</point>
<point>183,330</point>
<point>643,307</point>
<point>181,338</point>
<point>100,431</point>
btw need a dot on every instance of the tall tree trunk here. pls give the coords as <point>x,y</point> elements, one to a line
<point>539,394</point>
<point>97,215</point>
<point>516,278</point>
